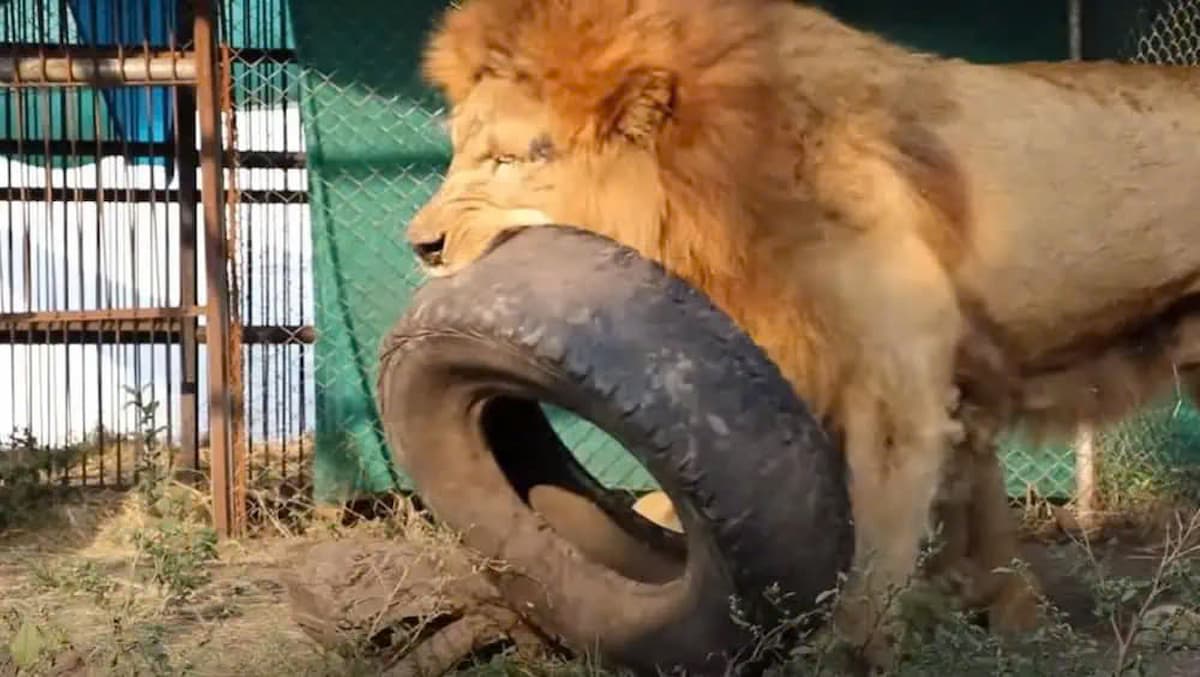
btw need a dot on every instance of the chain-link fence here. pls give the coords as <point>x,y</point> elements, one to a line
<point>376,152</point>
<point>1168,34</point>
<point>269,227</point>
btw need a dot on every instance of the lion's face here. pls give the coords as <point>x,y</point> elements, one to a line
<point>517,164</point>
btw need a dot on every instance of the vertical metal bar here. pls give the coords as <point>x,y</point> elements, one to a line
<point>216,271</point>
<point>75,118</point>
<point>1075,28</point>
<point>187,161</point>
<point>101,300</point>
<point>63,276</point>
<point>235,369</point>
<point>1087,479</point>
<point>46,282</point>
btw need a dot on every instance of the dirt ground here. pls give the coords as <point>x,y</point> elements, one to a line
<point>1054,564</point>
<point>72,597</point>
<point>237,623</point>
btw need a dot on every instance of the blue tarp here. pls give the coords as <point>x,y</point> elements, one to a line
<point>138,114</point>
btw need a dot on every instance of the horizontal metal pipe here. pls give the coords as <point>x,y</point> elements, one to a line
<point>39,50</point>
<point>67,148</point>
<point>135,69</point>
<point>21,195</point>
<point>140,332</point>
<point>100,315</point>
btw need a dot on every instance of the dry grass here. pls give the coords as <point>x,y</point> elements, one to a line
<point>83,597</point>
<point>78,579</point>
<point>101,583</point>
<point>83,593</point>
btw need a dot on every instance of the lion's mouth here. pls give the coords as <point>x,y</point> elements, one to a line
<point>437,270</point>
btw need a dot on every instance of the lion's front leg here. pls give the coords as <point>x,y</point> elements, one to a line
<point>885,300</point>
<point>895,449</point>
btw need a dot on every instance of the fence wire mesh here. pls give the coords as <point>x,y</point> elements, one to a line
<point>268,222</point>
<point>1171,35</point>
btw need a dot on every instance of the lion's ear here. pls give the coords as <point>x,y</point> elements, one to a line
<point>640,106</point>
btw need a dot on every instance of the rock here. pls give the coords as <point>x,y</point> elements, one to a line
<point>1170,625</point>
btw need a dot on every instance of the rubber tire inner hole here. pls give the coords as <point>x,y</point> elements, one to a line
<point>548,478</point>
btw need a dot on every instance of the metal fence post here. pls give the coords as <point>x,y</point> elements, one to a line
<point>1087,462</point>
<point>1075,28</point>
<point>187,161</point>
<point>227,510</point>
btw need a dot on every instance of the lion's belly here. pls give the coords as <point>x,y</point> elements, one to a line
<point>1082,224</point>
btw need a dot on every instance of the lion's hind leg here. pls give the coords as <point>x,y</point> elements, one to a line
<point>1011,596</point>
<point>980,543</point>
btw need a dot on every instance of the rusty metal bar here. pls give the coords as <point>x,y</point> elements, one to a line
<point>187,162</point>
<point>138,69</point>
<point>93,51</point>
<point>105,314</point>
<point>237,386</point>
<point>226,508</point>
<point>245,159</point>
<point>141,332</point>
<point>138,195</point>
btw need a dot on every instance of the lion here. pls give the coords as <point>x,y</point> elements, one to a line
<point>931,250</point>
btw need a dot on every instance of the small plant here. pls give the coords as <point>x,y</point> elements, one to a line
<point>139,649</point>
<point>154,461</point>
<point>23,467</point>
<point>33,642</point>
<point>83,576</point>
<point>179,554</point>
<point>955,644</point>
<point>936,638</point>
<point>1128,604</point>
<point>178,549</point>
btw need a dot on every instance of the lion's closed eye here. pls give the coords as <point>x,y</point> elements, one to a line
<point>504,164</point>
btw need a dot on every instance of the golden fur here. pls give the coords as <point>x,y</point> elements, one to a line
<point>894,229</point>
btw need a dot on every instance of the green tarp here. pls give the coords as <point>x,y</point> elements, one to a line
<point>375,153</point>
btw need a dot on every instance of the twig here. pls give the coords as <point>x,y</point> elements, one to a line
<point>1174,551</point>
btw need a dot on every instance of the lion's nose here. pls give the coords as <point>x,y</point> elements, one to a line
<point>430,251</point>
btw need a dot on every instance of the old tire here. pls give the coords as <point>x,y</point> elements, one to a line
<point>565,317</point>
